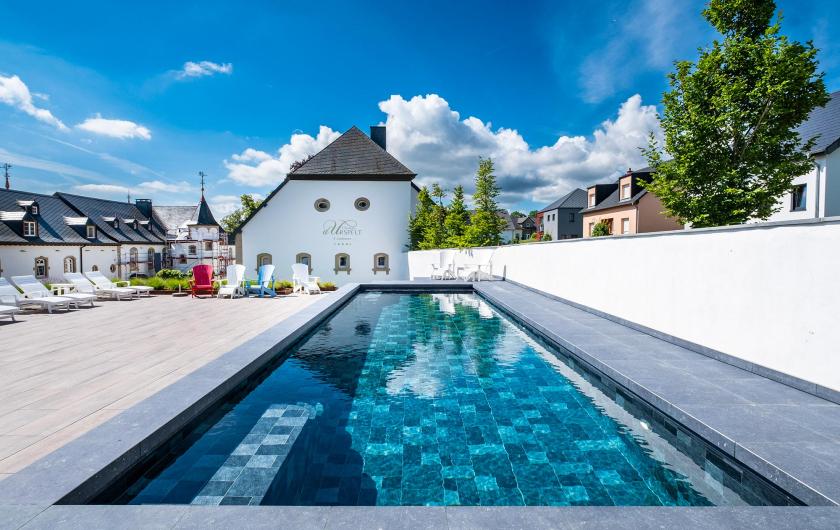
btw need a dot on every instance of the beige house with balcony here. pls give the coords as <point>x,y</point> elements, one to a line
<point>626,207</point>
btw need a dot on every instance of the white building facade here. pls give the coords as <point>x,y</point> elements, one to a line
<point>344,213</point>
<point>193,237</point>
<point>817,193</point>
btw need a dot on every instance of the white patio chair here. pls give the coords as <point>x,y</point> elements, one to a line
<point>101,281</point>
<point>32,288</point>
<point>84,285</point>
<point>301,280</point>
<point>9,295</point>
<point>232,284</point>
<point>9,311</point>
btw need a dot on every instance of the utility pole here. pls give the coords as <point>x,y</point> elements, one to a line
<point>6,168</point>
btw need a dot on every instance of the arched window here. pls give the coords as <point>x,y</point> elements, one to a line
<point>263,259</point>
<point>303,257</point>
<point>69,264</point>
<point>94,268</point>
<point>191,250</point>
<point>132,259</point>
<point>342,263</point>
<point>380,263</point>
<point>42,267</point>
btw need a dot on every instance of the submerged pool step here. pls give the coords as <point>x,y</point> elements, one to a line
<point>248,474</point>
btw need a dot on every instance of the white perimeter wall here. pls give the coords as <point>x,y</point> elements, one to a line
<point>289,224</point>
<point>19,260</point>
<point>769,294</point>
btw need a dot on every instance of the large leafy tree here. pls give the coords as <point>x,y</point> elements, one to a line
<point>418,222</point>
<point>457,219</point>
<point>234,220</point>
<point>730,120</point>
<point>486,226</point>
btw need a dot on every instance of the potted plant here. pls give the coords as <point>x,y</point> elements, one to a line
<point>283,287</point>
<point>327,286</point>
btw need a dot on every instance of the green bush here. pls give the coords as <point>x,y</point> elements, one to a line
<point>600,229</point>
<point>283,284</point>
<point>326,285</point>
<point>168,274</point>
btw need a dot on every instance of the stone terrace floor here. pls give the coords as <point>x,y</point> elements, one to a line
<point>63,374</point>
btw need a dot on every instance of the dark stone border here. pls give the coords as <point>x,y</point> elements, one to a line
<point>814,389</point>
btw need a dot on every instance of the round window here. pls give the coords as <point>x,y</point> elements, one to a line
<point>322,205</point>
<point>362,204</point>
<point>113,268</point>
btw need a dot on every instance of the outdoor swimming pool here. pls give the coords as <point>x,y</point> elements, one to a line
<point>417,399</point>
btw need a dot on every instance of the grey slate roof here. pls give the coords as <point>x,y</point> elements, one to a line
<point>824,122</point>
<point>58,223</point>
<point>352,154</point>
<point>173,217</point>
<point>575,199</point>
<point>98,210</point>
<point>203,215</point>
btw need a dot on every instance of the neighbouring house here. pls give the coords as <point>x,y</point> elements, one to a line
<point>516,228</point>
<point>626,207</point>
<point>193,237</point>
<point>344,213</point>
<point>42,235</point>
<point>141,240</point>
<point>817,193</point>
<point>562,218</point>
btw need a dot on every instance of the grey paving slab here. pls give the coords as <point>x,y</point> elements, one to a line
<point>88,517</point>
<point>731,407</point>
<point>253,517</point>
<point>365,518</point>
<point>16,516</point>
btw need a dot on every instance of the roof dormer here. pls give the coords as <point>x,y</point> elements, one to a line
<point>30,206</point>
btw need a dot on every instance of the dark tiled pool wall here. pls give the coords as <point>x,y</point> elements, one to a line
<point>754,489</point>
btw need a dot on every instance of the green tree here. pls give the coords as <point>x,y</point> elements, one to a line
<point>485,224</point>
<point>533,214</point>
<point>231,222</point>
<point>435,232</point>
<point>730,120</point>
<point>600,229</point>
<point>418,222</point>
<point>457,219</point>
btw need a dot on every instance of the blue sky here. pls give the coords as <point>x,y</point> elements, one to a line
<point>103,97</point>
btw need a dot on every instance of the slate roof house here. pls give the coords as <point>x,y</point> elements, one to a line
<point>516,228</point>
<point>562,219</point>
<point>626,207</point>
<point>817,193</point>
<point>344,213</point>
<point>42,235</point>
<point>193,237</point>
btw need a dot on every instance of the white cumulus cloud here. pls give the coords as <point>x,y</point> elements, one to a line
<point>257,168</point>
<point>15,93</point>
<point>432,139</point>
<point>222,205</point>
<point>203,68</point>
<point>122,129</point>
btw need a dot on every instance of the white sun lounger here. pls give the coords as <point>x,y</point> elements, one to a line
<point>232,284</point>
<point>301,280</point>
<point>9,311</point>
<point>9,295</point>
<point>83,285</point>
<point>101,281</point>
<point>32,288</point>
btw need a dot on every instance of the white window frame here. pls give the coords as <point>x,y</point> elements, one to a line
<point>625,225</point>
<point>625,191</point>
<point>30,229</point>
<point>592,200</point>
<point>90,231</point>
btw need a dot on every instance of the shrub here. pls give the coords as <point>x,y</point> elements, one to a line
<point>283,284</point>
<point>326,285</point>
<point>601,228</point>
<point>168,274</point>
<point>546,237</point>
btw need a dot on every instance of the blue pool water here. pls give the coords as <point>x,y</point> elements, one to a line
<point>415,399</point>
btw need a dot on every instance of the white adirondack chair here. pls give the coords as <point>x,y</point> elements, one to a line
<point>301,280</point>
<point>232,284</point>
<point>83,285</point>
<point>32,288</point>
<point>9,295</point>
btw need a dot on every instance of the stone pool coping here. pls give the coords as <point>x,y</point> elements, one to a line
<point>82,468</point>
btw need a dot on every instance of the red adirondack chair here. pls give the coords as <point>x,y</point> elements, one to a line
<point>202,280</point>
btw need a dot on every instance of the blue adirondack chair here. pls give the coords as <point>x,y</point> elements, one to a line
<point>265,282</point>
